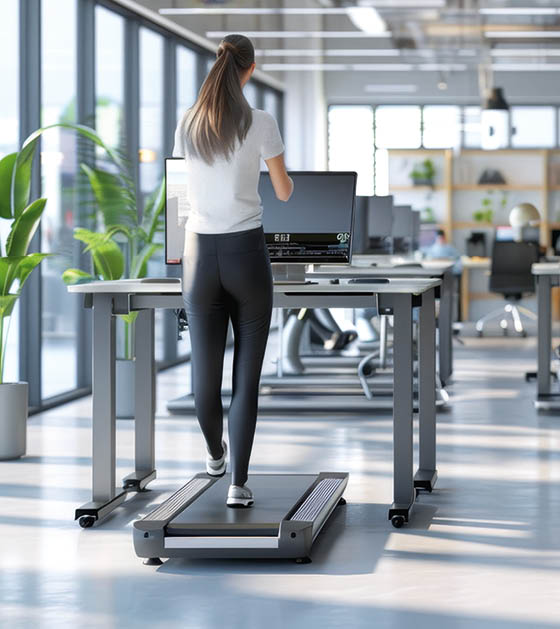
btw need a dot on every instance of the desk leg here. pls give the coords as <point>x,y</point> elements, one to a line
<point>145,402</point>
<point>403,483</point>
<point>426,475</point>
<point>446,328</point>
<point>544,289</point>
<point>103,415</point>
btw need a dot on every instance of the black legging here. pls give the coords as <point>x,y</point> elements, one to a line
<point>227,276</point>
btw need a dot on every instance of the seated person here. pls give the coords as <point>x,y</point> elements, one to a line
<point>442,249</point>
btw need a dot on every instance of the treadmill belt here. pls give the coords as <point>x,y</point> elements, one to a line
<point>275,496</point>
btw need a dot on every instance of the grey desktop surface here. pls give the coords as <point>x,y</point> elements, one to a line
<point>276,494</point>
<point>136,286</point>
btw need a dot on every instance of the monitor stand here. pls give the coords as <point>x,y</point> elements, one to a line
<point>288,273</point>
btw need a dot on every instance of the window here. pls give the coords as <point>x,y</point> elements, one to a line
<point>151,110</point>
<point>58,169</point>
<point>151,147</point>
<point>350,143</point>
<point>441,126</point>
<point>251,92</point>
<point>272,104</point>
<point>533,127</point>
<point>397,127</point>
<point>109,76</point>
<point>186,80</point>
<point>471,128</point>
<point>9,141</point>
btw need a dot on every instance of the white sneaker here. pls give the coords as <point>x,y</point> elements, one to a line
<point>217,467</point>
<point>239,497</point>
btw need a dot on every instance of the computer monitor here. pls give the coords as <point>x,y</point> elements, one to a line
<point>505,233</point>
<point>415,230</point>
<point>380,225</point>
<point>315,226</point>
<point>531,233</point>
<point>380,219</point>
<point>360,239</point>
<point>403,229</point>
<point>175,198</point>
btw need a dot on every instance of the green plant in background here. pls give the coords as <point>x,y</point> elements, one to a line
<point>15,263</point>
<point>126,243</point>
<point>428,215</point>
<point>485,214</point>
<point>424,173</point>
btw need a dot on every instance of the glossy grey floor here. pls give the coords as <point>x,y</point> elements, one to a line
<point>482,551</point>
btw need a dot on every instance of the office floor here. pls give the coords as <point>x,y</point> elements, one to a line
<point>483,551</point>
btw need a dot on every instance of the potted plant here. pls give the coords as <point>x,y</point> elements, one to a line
<point>15,267</point>
<point>122,249</point>
<point>424,173</point>
<point>485,214</point>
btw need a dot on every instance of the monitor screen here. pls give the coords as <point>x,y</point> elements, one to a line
<point>427,237</point>
<point>360,240</point>
<point>403,225</point>
<point>175,198</point>
<point>316,224</point>
<point>505,233</point>
<point>380,219</point>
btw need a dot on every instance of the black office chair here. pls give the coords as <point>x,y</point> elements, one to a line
<point>511,276</point>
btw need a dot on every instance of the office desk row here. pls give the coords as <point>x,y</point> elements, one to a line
<point>397,297</point>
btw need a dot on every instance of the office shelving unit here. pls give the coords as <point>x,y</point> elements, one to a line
<point>456,193</point>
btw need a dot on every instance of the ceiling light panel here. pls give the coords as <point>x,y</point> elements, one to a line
<point>522,34</point>
<point>301,34</point>
<point>378,4</point>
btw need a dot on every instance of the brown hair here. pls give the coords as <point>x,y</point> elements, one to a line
<point>221,113</point>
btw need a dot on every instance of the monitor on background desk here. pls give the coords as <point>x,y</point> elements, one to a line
<point>360,240</point>
<point>403,228</point>
<point>380,224</point>
<point>315,226</point>
<point>175,198</point>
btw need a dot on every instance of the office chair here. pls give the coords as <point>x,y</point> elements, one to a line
<point>511,276</point>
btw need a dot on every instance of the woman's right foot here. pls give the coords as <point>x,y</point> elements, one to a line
<point>217,467</point>
<point>240,497</point>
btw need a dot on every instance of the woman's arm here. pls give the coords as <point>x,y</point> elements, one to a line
<point>281,181</point>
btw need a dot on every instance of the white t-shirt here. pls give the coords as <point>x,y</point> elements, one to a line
<point>223,197</point>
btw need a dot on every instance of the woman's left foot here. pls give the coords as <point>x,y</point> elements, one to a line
<point>217,467</point>
<point>240,497</point>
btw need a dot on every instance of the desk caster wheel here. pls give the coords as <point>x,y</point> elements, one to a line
<point>397,521</point>
<point>153,561</point>
<point>86,521</point>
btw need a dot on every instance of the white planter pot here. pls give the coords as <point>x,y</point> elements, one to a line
<point>13,420</point>
<point>124,381</point>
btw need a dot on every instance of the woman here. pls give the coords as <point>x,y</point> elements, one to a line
<point>226,269</point>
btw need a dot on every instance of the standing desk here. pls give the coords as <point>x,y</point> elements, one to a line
<point>398,297</point>
<point>547,276</point>
<point>389,267</point>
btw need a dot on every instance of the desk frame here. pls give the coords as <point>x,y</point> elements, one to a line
<point>106,305</point>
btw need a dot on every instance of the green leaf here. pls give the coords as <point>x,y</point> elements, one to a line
<point>76,276</point>
<point>112,196</point>
<point>130,317</point>
<point>108,259</point>
<point>24,227</point>
<point>18,268</point>
<point>21,182</point>
<point>7,303</point>
<point>27,264</point>
<point>140,260</point>
<point>6,174</point>
<point>153,210</point>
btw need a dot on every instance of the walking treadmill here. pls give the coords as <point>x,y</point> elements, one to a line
<point>289,512</point>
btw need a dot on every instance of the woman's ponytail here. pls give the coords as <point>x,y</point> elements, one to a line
<point>221,114</point>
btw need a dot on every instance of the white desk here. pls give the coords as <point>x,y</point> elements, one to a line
<point>398,297</point>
